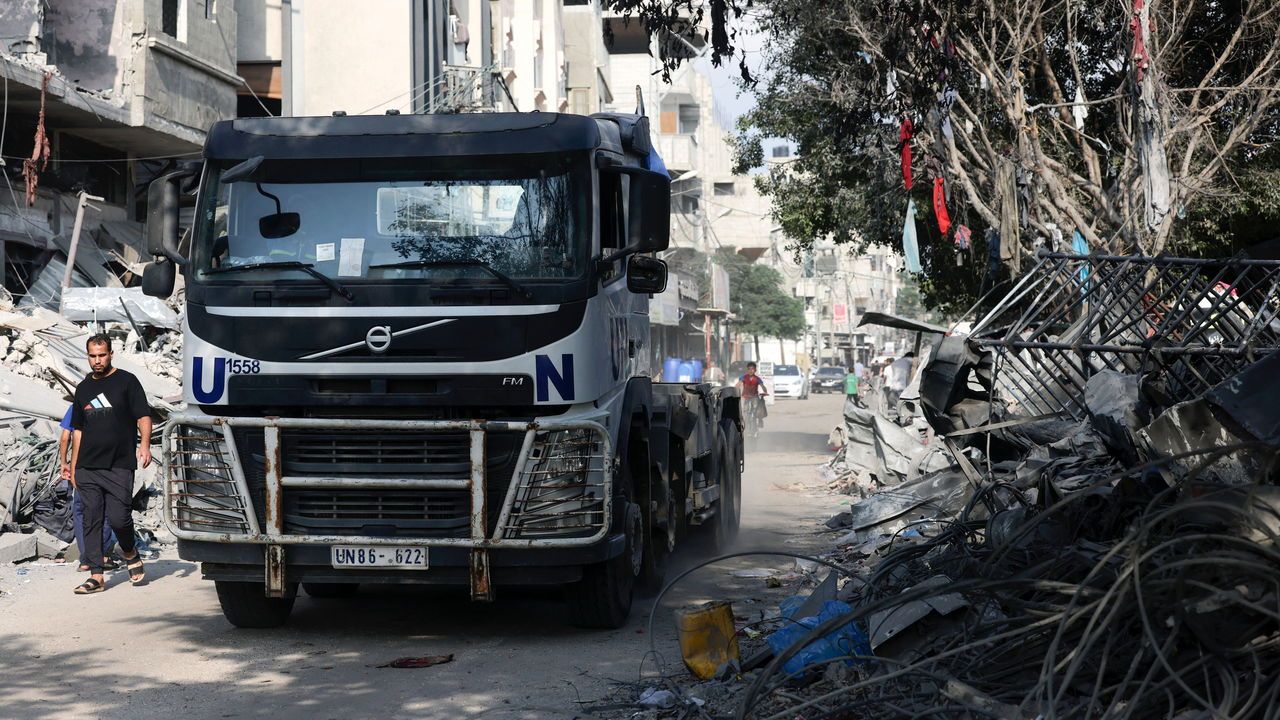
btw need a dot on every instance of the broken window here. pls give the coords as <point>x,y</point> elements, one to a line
<point>173,19</point>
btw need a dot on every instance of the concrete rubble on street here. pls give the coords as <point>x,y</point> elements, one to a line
<point>43,353</point>
<point>1091,528</point>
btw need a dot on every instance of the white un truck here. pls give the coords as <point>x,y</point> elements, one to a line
<point>417,351</point>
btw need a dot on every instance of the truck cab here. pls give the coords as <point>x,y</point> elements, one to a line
<point>416,351</point>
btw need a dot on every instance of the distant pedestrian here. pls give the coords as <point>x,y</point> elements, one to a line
<point>109,412</point>
<point>77,507</point>
<point>851,387</point>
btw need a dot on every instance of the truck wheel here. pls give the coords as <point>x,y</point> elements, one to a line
<point>326,591</point>
<point>653,567</point>
<point>729,514</point>
<point>246,605</point>
<point>602,598</point>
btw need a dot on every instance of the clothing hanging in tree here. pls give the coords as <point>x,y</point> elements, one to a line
<point>1079,110</point>
<point>963,237</point>
<point>1007,192</point>
<point>910,249</point>
<point>1080,247</point>
<point>940,206</point>
<point>1140,59</point>
<point>904,135</point>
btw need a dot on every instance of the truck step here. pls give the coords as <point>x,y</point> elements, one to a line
<point>705,497</point>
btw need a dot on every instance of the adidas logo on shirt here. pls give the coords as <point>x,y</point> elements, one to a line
<point>99,403</point>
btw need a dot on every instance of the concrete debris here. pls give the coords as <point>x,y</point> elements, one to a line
<point>657,698</point>
<point>15,548</point>
<point>1109,503</point>
<point>43,353</point>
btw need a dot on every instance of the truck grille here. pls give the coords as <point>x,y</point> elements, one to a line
<point>434,513</point>
<point>364,453</point>
<point>380,453</point>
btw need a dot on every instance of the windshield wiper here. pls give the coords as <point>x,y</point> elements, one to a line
<point>307,268</point>
<point>464,262</point>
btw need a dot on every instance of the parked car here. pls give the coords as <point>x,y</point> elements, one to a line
<point>788,381</point>
<point>829,379</point>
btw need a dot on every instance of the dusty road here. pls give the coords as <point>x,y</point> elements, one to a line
<point>164,650</point>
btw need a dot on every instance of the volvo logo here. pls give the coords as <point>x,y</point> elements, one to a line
<point>378,339</point>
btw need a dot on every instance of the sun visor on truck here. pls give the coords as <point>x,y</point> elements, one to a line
<point>372,136</point>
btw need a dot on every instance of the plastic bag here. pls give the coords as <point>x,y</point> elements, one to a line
<point>848,639</point>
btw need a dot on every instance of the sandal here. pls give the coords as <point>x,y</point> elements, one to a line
<point>137,571</point>
<point>106,565</point>
<point>90,586</point>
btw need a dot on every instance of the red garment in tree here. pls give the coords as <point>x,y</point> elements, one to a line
<point>940,206</point>
<point>904,134</point>
<point>1140,59</point>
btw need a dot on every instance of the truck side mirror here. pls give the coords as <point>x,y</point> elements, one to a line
<point>158,279</point>
<point>648,210</point>
<point>646,275</point>
<point>162,216</point>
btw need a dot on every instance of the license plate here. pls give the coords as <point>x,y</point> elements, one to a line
<point>368,556</point>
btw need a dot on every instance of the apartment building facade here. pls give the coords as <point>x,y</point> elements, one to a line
<point>311,57</point>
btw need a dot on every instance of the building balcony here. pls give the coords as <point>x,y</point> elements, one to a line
<point>679,152</point>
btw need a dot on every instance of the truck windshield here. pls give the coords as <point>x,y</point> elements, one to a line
<point>410,226</point>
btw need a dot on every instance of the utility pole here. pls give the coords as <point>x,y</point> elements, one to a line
<point>75,240</point>
<point>831,300</point>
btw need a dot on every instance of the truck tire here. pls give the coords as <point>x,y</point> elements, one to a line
<point>602,598</point>
<point>327,591</point>
<point>658,545</point>
<point>246,605</point>
<point>729,515</point>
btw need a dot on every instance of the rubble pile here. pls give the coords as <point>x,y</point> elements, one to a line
<point>43,359</point>
<point>1103,538</point>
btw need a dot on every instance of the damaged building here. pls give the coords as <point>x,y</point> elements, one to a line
<point>99,97</point>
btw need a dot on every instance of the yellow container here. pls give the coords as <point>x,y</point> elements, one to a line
<point>707,639</point>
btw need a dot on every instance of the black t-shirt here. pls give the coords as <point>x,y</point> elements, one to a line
<point>106,411</point>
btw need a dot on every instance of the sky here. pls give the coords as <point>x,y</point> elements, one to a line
<point>731,101</point>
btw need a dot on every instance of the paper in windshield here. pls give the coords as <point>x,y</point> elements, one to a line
<point>351,257</point>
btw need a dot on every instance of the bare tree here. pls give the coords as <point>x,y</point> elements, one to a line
<point>1110,117</point>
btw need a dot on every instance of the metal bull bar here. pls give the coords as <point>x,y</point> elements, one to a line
<point>215,504</point>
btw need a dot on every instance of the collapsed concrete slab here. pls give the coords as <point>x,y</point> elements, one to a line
<point>16,547</point>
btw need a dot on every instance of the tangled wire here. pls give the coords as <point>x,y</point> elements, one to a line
<point>34,467</point>
<point>1129,599</point>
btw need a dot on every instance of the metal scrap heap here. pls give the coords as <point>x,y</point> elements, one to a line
<point>1104,543</point>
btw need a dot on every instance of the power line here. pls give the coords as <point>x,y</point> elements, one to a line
<point>113,160</point>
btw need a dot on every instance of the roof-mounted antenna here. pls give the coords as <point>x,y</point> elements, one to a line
<point>639,102</point>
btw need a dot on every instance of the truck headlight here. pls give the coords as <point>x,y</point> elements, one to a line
<point>561,486</point>
<point>202,491</point>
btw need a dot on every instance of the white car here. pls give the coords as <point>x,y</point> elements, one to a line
<point>788,381</point>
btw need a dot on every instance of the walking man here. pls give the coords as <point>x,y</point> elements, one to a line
<point>110,412</point>
<point>77,505</point>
